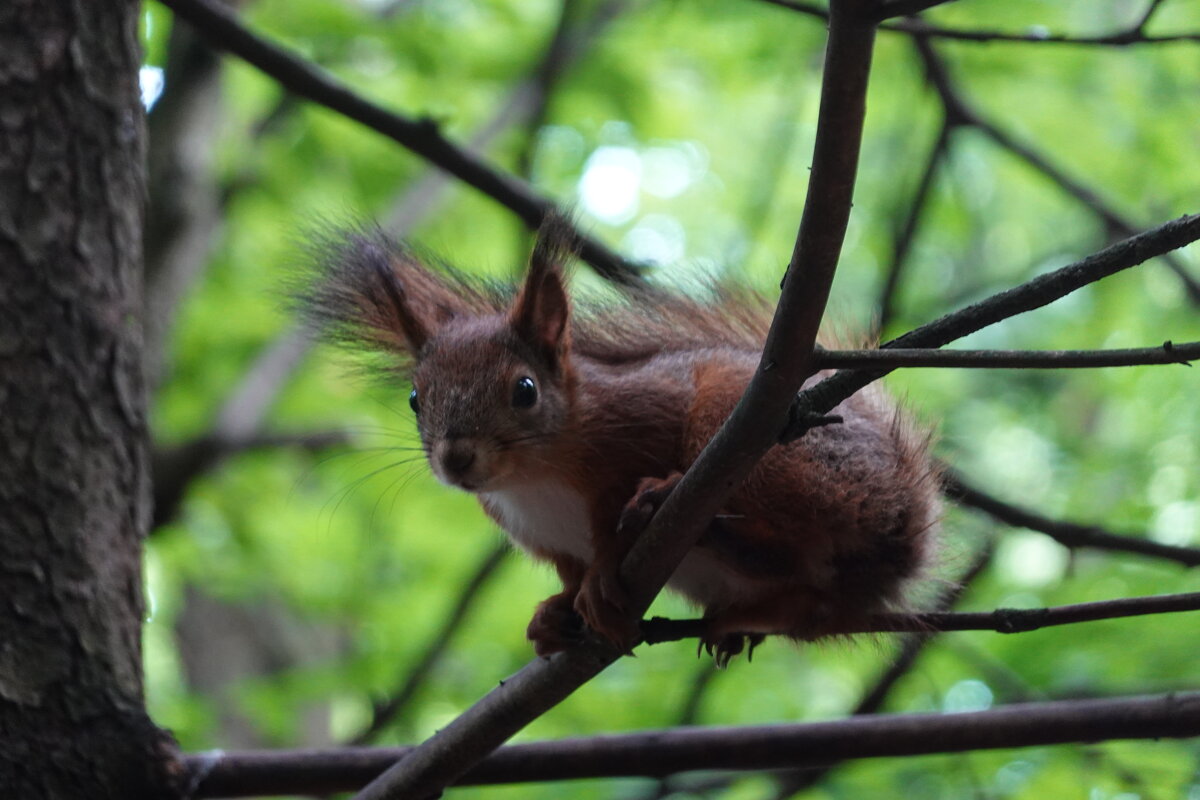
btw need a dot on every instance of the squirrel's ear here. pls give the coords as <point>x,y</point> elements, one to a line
<point>542,311</point>
<point>414,326</point>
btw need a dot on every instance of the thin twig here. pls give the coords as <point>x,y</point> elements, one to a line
<point>790,782</point>
<point>688,714</point>
<point>522,105</point>
<point>383,713</point>
<point>657,753</point>
<point>657,630</point>
<point>1070,534</point>
<point>918,27</point>
<point>175,468</point>
<point>908,230</point>
<point>958,108</point>
<point>223,31</point>
<point>905,8</point>
<point>896,358</point>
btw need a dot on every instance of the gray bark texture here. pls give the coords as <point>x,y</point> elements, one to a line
<point>74,488</point>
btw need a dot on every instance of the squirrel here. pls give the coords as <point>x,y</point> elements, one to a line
<point>570,423</point>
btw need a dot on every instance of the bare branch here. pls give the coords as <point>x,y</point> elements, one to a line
<point>1040,291</point>
<point>523,105</point>
<point>223,31</point>
<point>908,230</point>
<point>1070,534</point>
<point>921,29</point>
<point>1003,620</point>
<point>728,458</point>
<point>918,27</point>
<point>656,753</point>
<point>175,468</point>
<point>896,358</point>
<point>957,108</point>
<point>794,781</point>
<point>1151,8</point>
<point>905,8</point>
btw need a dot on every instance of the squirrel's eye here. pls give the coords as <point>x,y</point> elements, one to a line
<point>412,401</point>
<point>524,393</point>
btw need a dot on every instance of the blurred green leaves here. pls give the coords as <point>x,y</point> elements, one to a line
<point>714,102</point>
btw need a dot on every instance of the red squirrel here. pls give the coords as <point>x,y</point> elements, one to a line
<point>571,423</point>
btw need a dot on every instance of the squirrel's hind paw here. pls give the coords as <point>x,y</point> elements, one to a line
<point>724,646</point>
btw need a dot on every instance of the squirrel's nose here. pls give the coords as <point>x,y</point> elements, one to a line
<point>458,457</point>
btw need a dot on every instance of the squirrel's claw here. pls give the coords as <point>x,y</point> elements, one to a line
<point>724,646</point>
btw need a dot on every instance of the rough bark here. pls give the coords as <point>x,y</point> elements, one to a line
<point>74,500</point>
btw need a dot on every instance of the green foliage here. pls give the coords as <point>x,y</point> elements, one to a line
<point>712,105</point>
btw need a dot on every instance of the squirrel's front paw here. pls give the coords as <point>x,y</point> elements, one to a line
<point>603,603</point>
<point>650,494</point>
<point>555,625</point>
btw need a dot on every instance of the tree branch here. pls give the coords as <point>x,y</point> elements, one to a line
<point>657,753</point>
<point>959,109</point>
<point>1035,293</point>
<point>896,358</point>
<point>908,230</point>
<point>905,8</point>
<point>175,468</point>
<point>1070,534</point>
<point>422,136</point>
<point>749,432</point>
<point>791,782</point>
<point>657,630</point>
<point>918,27</point>
<point>1123,38</point>
<point>523,105</point>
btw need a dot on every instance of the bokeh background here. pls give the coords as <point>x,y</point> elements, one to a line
<point>303,562</point>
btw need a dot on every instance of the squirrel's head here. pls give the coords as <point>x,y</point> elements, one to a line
<point>492,382</point>
<point>491,391</point>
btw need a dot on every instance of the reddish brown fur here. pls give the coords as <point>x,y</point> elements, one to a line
<point>823,531</point>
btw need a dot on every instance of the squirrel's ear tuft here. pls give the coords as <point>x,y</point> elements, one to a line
<point>541,314</point>
<point>415,328</point>
<point>373,291</point>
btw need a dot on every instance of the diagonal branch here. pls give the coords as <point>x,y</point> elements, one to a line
<point>523,106</point>
<point>1070,534</point>
<point>904,8</point>
<point>1032,294</point>
<point>421,136</point>
<point>750,431</point>
<point>959,109</point>
<point>657,753</point>
<point>908,230</point>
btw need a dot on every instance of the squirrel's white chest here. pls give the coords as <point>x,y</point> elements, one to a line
<point>546,516</point>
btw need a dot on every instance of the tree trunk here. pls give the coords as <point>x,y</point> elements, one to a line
<point>74,499</point>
